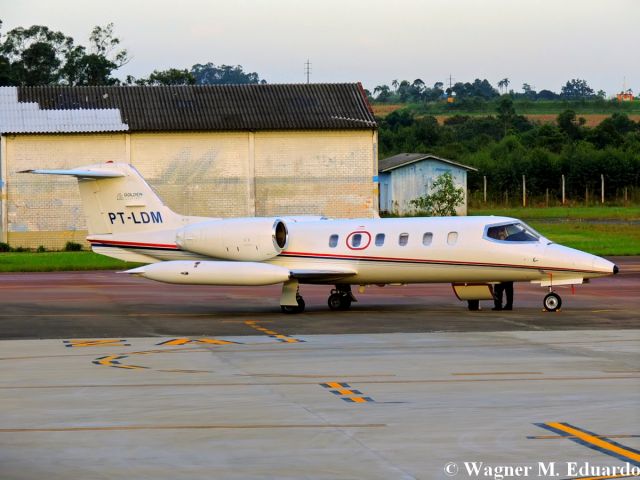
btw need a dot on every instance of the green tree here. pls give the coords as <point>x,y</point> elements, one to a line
<point>382,93</point>
<point>576,89</point>
<point>209,74</point>
<point>506,113</point>
<point>40,56</point>
<point>570,124</point>
<point>35,55</point>
<point>443,200</point>
<point>504,84</point>
<point>173,76</point>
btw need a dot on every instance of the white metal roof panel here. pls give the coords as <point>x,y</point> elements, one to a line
<point>28,117</point>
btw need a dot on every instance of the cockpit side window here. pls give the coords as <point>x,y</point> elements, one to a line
<point>512,232</point>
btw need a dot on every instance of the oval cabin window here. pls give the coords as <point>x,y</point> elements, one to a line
<point>333,241</point>
<point>452,238</point>
<point>356,240</point>
<point>427,238</point>
<point>403,239</point>
<point>379,239</point>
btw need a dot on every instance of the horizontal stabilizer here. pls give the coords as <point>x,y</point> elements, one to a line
<point>80,173</point>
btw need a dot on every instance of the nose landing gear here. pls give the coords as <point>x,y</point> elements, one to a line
<point>552,302</point>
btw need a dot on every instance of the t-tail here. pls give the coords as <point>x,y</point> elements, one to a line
<point>117,200</point>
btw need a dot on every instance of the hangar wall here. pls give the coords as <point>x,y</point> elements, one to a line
<point>219,174</point>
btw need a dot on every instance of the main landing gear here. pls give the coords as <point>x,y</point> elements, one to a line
<point>294,308</point>
<point>341,298</point>
<point>474,305</point>
<point>291,301</point>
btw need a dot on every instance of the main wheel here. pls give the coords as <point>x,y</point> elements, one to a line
<point>335,301</point>
<point>474,305</point>
<point>293,308</point>
<point>339,301</point>
<point>552,302</point>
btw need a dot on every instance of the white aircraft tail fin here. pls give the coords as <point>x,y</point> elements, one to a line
<point>116,199</point>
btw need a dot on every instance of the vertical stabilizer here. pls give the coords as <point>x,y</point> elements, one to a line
<point>116,199</point>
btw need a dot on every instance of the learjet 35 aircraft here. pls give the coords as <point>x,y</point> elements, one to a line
<point>127,220</point>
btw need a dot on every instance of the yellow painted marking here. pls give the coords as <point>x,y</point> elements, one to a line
<point>344,391</point>
<point>283,338</point>
<point>593,440</point>
<point>107,360</point>
<point>358,400</point>
<point>213,341</point>
<point>335,385</point>
<point>184,341</point>
<point>177,341</point>
<point>558,437</point>
<point>94,343</point>
<point>286,339</point>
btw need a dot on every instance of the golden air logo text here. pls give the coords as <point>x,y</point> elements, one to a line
<point>134,217</point>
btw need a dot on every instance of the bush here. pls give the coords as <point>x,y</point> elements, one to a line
<point>72,247</point>
<point>41,249</point>
<point>4,247</point>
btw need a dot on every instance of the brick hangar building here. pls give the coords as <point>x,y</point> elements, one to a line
<point>220,151</point>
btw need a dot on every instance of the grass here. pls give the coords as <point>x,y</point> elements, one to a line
<point>569,213</point>
<point>59,261</point>
<point>597,230</point>
<point>597,238</point>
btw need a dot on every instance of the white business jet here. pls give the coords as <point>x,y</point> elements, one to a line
<point>127,220</point>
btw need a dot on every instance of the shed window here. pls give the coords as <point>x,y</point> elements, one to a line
<point>333,240</point>
<point>427,238</point>
<point>452,238</point>
<point>379,239</point>
<point>403,239</point>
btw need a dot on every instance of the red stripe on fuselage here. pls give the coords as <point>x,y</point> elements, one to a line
<point>133,244</point>
<point>428,261</point>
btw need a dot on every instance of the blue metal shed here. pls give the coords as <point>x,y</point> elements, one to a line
<point>407,176</point>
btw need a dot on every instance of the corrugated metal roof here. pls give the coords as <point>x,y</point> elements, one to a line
<point>402,159</point>
<point>180,108</point>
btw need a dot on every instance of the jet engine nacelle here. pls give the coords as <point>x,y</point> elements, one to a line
<point>213,273</point>
<point>242,239</point>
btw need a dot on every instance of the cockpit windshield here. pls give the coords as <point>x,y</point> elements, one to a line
<point>512,232</point>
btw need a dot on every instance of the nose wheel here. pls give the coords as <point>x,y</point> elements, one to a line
<point>552,302</point>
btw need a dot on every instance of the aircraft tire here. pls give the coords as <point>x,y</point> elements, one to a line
<point>294,309</point>
<point>474,305</point>
<point>339,301</point>
<point>552,302</point>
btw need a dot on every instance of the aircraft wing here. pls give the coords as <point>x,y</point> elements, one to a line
<point>321,276</point>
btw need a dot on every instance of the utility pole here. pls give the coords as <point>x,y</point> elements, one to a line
<point>307,69</point>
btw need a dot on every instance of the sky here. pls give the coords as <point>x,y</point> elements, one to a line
<point>540,42</point>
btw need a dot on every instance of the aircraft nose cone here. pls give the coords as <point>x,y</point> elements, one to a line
<point>615,269</point>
